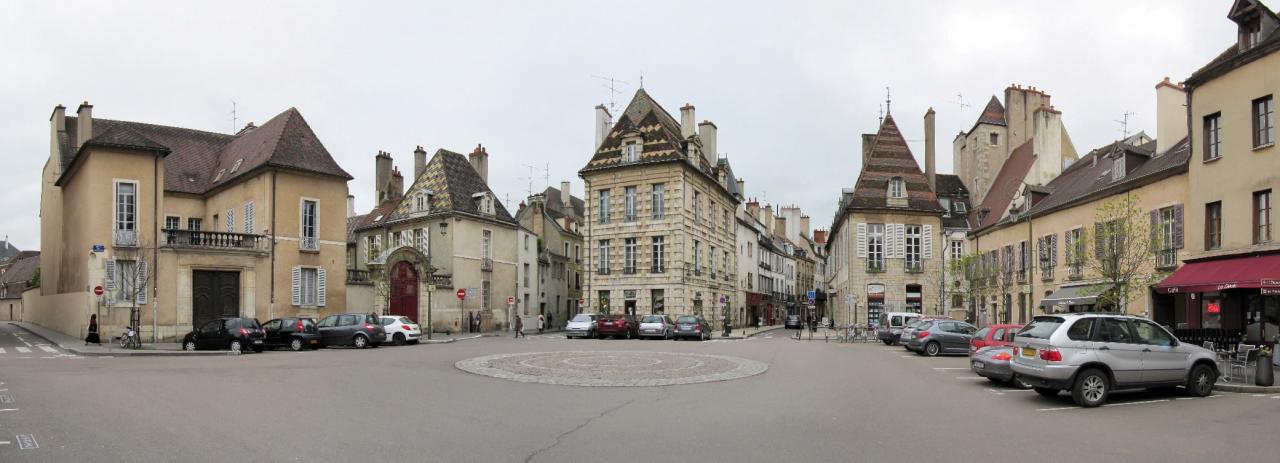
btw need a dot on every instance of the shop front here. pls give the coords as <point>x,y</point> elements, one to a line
<point>1223,300</point>
<point>875,303</point>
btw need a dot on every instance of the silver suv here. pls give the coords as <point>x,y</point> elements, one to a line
<point>1092,354</point>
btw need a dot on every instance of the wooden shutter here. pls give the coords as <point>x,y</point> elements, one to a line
<point>320,287</point>
<point>140,282</point>
<point>1177,226</point>
<point>1155,230</point>
<point>296,278</point>
<point>926,241</point>
<point>248,218</point>
<point>1099,241</point>
<point>110,265</point>
<point>861,239</point>
<point>1053,250</point>
<point>899,240</point>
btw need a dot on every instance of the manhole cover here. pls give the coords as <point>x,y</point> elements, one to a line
<point>612,368</point>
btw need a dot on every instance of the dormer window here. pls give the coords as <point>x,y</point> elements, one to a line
<point>631,151</point>
<point>1117,169</point>
<point>896,188</point>
<point>420,203</point>
<point>960,207</point>
<point>236,166</point>
<point>1250,34</point>
<point>485,203</point>
<point>221,172</point>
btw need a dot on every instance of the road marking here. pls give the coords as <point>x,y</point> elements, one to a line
<point>1,350</point>
<point>993,391</point>
<point>1136,403</point>
<point>1055,409</point>
<point>27,442</point>
<point>23,350</point>
<point>4,442</point>
<point>6,398</point>
<point>8,409</point>
<point>951,368</point>
<point>48,349</point>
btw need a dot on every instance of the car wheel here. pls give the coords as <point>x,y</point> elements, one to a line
<point>235,346</point>
<point>398,339</point>
<point>1047,392</point>
<point>1200,382</point>
<point>931,349</point>
<point>1091,389</point>
<point>360,342</point>
<point>295,345</point>
<point>189,345</point>
<point>887,343</point>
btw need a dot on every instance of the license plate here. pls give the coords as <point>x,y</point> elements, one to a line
<point>257,341</point>
<point>1028,352</point>
<point>313,341</point>
<point>979,365</point>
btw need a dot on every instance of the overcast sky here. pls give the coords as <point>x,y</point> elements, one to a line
<point>791,85</point>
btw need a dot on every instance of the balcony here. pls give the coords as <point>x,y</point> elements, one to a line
<point>126,238</point>
<point>210,240</point>
<point>1046,273</point>
<point>1075,271</point>
<point>486,264</point>
<point>309,243</point>
<point>357,276</point>
<point>875,266</point>
<point>1166,259</point>
<point>1022,276</point>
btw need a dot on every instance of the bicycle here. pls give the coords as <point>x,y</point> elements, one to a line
<point>129,339</point>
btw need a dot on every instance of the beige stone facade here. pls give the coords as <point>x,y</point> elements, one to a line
<point>554,219</point>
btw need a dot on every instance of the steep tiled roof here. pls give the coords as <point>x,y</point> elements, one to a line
<point>1233,57</point>
<point>555,207</point>
<point>1004,187</point>
<point>890,157</point>
<point>993,113</point>
<point>661,134</point>
<point>7,250</point>
<point>1086,180</point>
<point>378,216</point>
<point>454,184</point>
<point>195,157</point>
<point>19,273</point>
<point>352,223</point>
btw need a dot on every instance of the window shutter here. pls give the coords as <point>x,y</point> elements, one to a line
<point>248,218</point>
<point>861,231</point>
<point>110,265</point>
<point>296,278</point>
<point>231,220</point>
<point>927,242</point>
<point>1053,251</point>
<point>902,241</point>
<point>1098,241</point>
<point>320,287</point>
<point>1155,230</point>
<point>141,282</point>
<point>1177,226</point>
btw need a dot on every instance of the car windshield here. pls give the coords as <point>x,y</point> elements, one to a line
<point>406,320</point>
<point>914,323</point>
<point>249,323</point>
<point>687,319</point>
<point>651,319</point>
<point>582,318</point>
<point>1041,327</point>
<point>982,333</point>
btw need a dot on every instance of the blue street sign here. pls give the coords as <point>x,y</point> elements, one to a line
<point>99,248</point>
<point>812,295</point>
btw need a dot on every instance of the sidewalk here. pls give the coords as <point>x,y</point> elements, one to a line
<point>741,333</point>
<point>108,348</point>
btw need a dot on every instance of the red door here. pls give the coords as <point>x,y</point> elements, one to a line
<point>404,291</point>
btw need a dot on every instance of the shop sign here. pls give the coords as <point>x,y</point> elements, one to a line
<point>1214,307</point>
<point>1227,286</point>
<point>1271,291</point>
<point>875,289</point>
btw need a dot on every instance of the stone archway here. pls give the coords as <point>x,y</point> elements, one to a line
<point>404,282</point>
<point>401,280</point>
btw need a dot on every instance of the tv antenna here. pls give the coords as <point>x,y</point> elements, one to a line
<point>960,101</point>
<point>1124,124</point>
<point>888,100</point>
<point>234,122</point>
<point>612,84</point>
<point>546,176</point>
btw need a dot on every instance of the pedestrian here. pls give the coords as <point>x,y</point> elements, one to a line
<point>520,327</point>
<point>551,323</point>
<point>541,321</point>
<point>93,331</point>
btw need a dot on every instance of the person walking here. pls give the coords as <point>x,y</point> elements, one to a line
<point>541,320</point>
<point>93,331</point>
<point>520,327</point>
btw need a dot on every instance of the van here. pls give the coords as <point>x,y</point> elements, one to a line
<point>891,324</point>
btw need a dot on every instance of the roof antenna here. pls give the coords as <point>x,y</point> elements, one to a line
<point>1124,124</point>
<point>641,79</point>
<point>612,85</point>
<point>880,116</point>
<point>233,117</point>
<point>960,101</point>
<point>545,175</point>
<point>888,100</point>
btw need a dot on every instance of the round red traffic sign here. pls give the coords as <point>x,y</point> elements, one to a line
<point>462,294</point>
<point>97,290</point>
<point>511,299</point>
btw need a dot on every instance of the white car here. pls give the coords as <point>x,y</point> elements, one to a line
<point>401,330</point>
<point>581,325</point>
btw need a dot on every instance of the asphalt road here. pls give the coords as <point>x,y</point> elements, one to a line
<point>817,402</point>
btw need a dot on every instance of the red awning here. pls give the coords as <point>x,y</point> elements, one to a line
<point>1255,271</point>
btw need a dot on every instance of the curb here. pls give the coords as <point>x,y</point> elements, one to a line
<point>1241,388</point>
<point>738,337</point>
<point>123,352</point>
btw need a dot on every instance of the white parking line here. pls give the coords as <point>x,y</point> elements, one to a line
<point>8,409</point>
<point>951,368</point>
<point>1,350</point>
<point>48,349</point>
<point>23,350</point>
<point>1143,402</point>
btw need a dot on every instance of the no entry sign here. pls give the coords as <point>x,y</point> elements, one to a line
<point>462,294</point>
<point>97,290</point>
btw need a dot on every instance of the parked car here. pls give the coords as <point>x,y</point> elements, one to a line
<point>617,325</point>
<point>793,322</point>
<point>692,326</point>
<point>992,362</point>
<point>292,332</point>
<point>891,324</point>
<point>657,326</point>
<point>400,330</point>
<point>909,331</point>
<point>235,334</point>
<point>358,330</point>
<point>993,335</point>
<point>582,325</point>
<point>941,337</point>
<point>1094,354</point>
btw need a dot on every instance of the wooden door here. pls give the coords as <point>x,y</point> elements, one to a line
<point>404,291</point>
<point>214,295</point>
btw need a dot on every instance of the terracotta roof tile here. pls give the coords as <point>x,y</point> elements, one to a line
<point>1004,187</point>
<point>890,157</point>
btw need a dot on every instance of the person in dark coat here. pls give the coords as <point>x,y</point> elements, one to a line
<point>519,326</point>
<point>93,331</point>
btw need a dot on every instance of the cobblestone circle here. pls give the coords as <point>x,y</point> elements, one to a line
<point>612,368</point>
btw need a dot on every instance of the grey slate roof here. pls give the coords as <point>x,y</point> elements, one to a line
<point>19,273</point>
<point>1085,181</point>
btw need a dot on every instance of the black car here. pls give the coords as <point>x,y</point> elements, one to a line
<point>236,334</point>
<point>692,326</point>
<point>358,330</point>
<point>294,333</point>
<point>793,322</point>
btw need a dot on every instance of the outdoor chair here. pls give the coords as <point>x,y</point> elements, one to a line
<point>1242,361</point>
<point>1208,345</point>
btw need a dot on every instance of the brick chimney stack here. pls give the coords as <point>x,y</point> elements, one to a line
<point>419,162</point>
<point>687,121</point>
<point>84,124</point>
<point>381,176</point>
<point>480,162</point>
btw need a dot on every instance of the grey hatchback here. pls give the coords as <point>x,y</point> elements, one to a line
<point>1092,354</point>
<point>941,337</point>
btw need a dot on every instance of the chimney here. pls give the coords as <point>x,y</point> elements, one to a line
<point>868,139</point>
<point>707,132</point>
<point>396,189</point>
<point>604,122</point>
<point>742,188</point>
<point>480,162</point>
<point>84,124</point>
<point>686,121</point>
<point>820,236</point>
<point>419,162</point>
<point>766,217</point>
<point>753,208</point>
<point>351,206</point>
<point>381,175</point>
<point>804,225</point>
<point>1171,115</point>
<point>59,119</point>
<point>565,197</point>
<point>929,170</point>
<point>780,225</point>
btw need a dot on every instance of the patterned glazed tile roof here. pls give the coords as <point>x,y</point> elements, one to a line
<point>890,157</point>
<point>454,185</point>
<point>659,131</point>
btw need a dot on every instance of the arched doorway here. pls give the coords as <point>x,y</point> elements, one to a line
<point>404,291</point>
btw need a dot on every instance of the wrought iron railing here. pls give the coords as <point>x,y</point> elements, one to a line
<point>486,264</point>
<point>213,240</point>
<point>914,267</point>
<point>875,266</point>
<point>309,243</point>
<point>1075,271</point>
<point>1046,273</point>
<point>1166,259</point>
<point>125,238</point>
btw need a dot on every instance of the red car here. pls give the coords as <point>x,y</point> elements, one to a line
<point>993,335</point>
<point>617,325</point>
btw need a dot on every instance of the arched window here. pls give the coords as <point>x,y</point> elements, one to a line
<point>896,188</point>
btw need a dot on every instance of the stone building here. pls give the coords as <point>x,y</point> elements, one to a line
<point>19,272</point>
<point>555,217</point>
<point>447,233</point>
<point>180,226</point>
<point>659,233</point>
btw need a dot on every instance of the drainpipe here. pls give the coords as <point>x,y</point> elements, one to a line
<point>271,307</point>
<point>155,246</point>
<point>1031,269</point>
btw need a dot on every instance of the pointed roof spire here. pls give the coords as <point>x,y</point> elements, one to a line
<point>993,113</point>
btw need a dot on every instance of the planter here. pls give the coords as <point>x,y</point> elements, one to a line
<point>1265,375</point>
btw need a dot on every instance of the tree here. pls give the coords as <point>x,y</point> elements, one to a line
<point>969,280</point>
<point>129,280</point>
<point>1123,247</point>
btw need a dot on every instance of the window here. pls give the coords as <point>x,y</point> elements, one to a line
<point>875,247</point>
<point>913,248</point>
<point>486,244</point>
<point>957,250</point>
<point>1264,123</point>
<point>1114,330</point>
<point>126,278</point>
<point>697,257</point>
<point>248,218</point>
<point>1213,225</point>
<point>1166,229</point>
<point>310,224</point>
<point>126,220</point>
<point>896,189</point>
<point>1150,333</point>
<point>566,249</point>
<point>603,207</point>
<point>307,290</point>
<point>374,245</point>
<point>420,240</point>
<point>172,222</point>
<point>629,256</point>
<point>697,206</point>
<point>231,220</point>
<point>631,151</point>
<point>1250,34</point>
<point>960,208</point>
<point>995,138</point>
<point>658,265</point>
<point>751,250</point>
<point>526,275</point>
<point>602,253</point>
<point>420,202</point>
<point>725,214</point>
<point>629,197</point>
<point>946,206</point>
<point>1262,217</point>
<point>526,242</point>
<point>1212,136</point>
<point>658,300</point>
<point>726,264</point>
<point>711,258</point>
<point>486,294</point>
<point>602,300</point>
<point>193,224</point>
<point>1117,169</point>
<point>658,191</point>
<point>1081,330</point>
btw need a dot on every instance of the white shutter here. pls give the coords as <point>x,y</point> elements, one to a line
<point>110,265</point>
<point>899,241</point>
<point>296,278</point>
<point>320,286</point>
<point>927,241</point>
<point>248,218</point>
<point>861,239</point>
<point>140,284</point>
<point>231,220</point>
